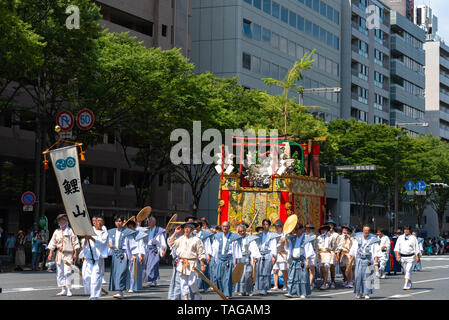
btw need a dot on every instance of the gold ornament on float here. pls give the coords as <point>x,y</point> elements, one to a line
<point>57,129</point>
<point>221,203</point>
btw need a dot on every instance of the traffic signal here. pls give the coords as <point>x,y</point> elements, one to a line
<point>439,185</point>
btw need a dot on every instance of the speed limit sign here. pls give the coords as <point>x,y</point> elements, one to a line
<point>85,119</point>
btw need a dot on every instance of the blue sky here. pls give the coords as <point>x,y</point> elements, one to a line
<point>440,9</point>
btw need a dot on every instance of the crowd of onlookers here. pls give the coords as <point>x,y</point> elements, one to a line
<point>436,246</point>
<point>25,249</point>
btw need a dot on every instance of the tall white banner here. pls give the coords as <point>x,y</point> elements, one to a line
<point>65,164</point>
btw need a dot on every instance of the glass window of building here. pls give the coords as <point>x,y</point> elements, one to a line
<point>275,8</point>
<point>267,6</point>
<point>275,40</point>
<point>300,23</point>
<point>247,28</point>
<point>246,61</point>
<point>336,43</point>
<point>292,48</point>
<point>257,32</point>
<point>335,69</point>
<point>266,35</point>
<point>274,70</point>
<point>265,68</point>
<point>292,19</point>
<point>255,64</point>
<point>330,13</point>
<point>309,3</point>
<point>321,63</point>
<point>283,44</point>
<point>316,5</point>
<point>257,4</point>
<point>284,14</point>
<point>330,39</point>
<point>323,35</point>
<point>299,52</point>
<point>316,31</point>
<point>328,66</point>
<point>336,17</point>
<point>308,27</point>
<point>323,8</point>
<point>282,72</point>
<point>248,1</point>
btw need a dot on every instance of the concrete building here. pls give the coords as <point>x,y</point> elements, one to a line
<point>158,23</point>
<point>405,8</point>
<point>255,39</point>
<point>407,74</point>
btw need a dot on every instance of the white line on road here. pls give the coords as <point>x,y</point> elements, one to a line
<point>326,295</point>
<point>397,296</point>
<point>430,280</point>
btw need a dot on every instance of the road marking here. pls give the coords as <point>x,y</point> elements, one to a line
<point>398,296</point>
<point>436,267</point>
<point>430,280</point>
<point>326,295</point>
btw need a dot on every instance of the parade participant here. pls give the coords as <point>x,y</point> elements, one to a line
<point>205,237</point>
<point>300,253</point>
<point>119,262</point>
<point>136,248</point>
<point>393,265</point>
<point>281,260</point>
<point>385,248</point>
<point>333,249</point>
<point>366,252</point>
<point>250,255</point>
<point>225,251</point>
<point>267,243</point>
<point>344,246</point>
<point>66,244</point>
<point>324,244</point>
<point>313,260</point>
<point>407,251</point>
<point>94,251</point>
<point>155,246</point>
<point>204,225</point>
<point>417,265</point>
<point>189,250</point>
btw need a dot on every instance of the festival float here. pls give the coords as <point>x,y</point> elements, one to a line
<point>281,182</point>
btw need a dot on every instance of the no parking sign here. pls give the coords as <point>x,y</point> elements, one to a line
<point>85,119</point>
<point>65,120</point>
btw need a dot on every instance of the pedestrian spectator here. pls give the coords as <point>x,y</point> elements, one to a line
<point>20,251</point>
<point>35,251</point>
<point>86,180</point>
<point>10,244</point>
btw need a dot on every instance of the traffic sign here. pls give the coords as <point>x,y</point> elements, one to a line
<point>85,119</point>
<point>28,198</point>
<point>65,120</point>
<point>420,186</point>
<point>410,186</point>
<point>27,208</point>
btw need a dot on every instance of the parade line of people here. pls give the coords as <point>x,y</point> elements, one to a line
<point>296,263</point>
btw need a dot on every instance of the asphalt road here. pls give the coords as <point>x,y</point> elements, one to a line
<point>432,283</point>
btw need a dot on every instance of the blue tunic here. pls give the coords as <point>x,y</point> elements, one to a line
<point>203,285</point>
<point>224,264</point>
<point>152,256</point>
<point>298,276</point>
<point>265,264</point>
<point>364,269</point>
<point>119,262</point>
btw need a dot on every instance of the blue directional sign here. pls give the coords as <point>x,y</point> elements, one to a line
<point>410,186</point>
<point>420,186</point>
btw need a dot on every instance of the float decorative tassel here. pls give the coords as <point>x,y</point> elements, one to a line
<point>45,162</point>
<point>83,158</point>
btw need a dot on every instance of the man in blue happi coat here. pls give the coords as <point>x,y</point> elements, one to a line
<point>366,252</point>
<point>119,263</point>
<point>225,251</point>
<point>267,243</point>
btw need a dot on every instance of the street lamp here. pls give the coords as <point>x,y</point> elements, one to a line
<point>317,91</point>
<point>396,186</point>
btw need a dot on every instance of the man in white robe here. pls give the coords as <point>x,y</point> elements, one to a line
<point>407,252</point>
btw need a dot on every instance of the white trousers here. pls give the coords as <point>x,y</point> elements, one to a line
<point>407,264</point>
<point>383,261</point>
<point>92,277</point>
<point>63,275</point>
<point>188,282</point>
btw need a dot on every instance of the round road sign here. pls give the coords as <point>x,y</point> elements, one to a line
<point>28,198</point>
<point>85,119</point>
<point>65,120</point>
